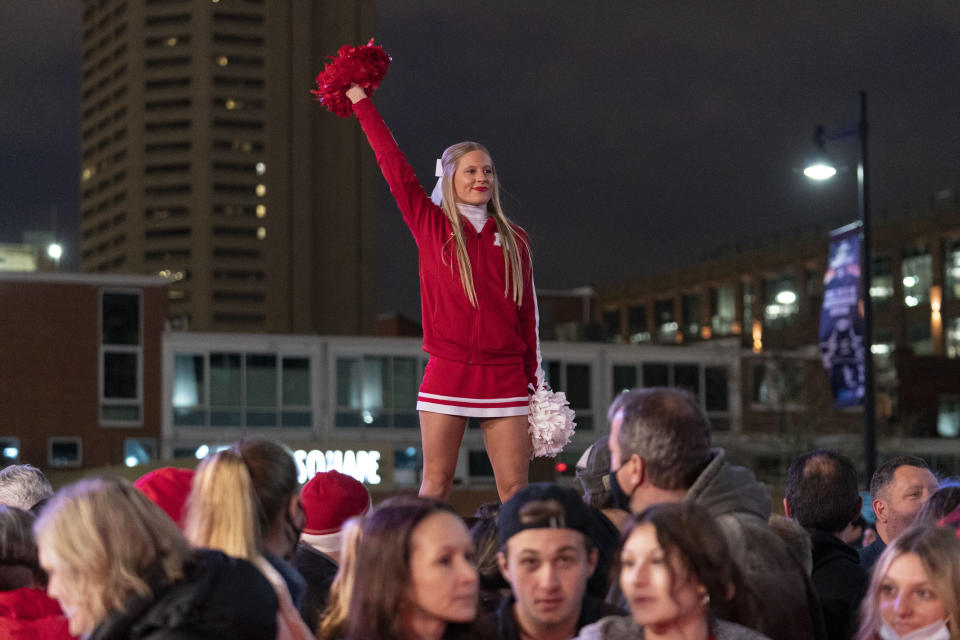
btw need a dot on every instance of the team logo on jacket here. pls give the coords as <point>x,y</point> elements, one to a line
<point>496,239</point>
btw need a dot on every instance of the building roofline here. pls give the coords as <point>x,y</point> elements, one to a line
<point>99,279</point>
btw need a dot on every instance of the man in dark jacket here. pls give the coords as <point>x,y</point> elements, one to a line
<point>329,499</point>
<point>660,451</point>
<point>898,489</point>
<point>822,495</point>
<point>547,556</point>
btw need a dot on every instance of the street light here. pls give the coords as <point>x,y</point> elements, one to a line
<point>822,170</point>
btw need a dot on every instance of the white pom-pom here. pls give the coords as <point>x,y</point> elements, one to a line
<point>551,422</point>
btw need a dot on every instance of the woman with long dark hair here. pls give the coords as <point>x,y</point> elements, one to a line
<point>679,582</point>
<point>414,575</point>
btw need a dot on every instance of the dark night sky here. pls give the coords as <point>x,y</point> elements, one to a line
<point>629,136</point>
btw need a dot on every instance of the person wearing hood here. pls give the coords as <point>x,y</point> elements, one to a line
<point>121,569</point>
<point>660,451</point>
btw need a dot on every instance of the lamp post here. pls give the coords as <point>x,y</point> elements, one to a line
<point>822,170</point>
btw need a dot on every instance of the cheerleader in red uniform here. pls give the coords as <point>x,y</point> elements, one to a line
<point>479,308</point>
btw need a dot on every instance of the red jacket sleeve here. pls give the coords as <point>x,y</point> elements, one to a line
<point>417,209</point>
<point>529,313</point>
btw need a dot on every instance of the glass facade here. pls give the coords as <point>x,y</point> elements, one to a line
<point>378,391</point>
<point>244,390</point>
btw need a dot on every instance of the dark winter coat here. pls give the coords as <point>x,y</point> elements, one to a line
<point>789,608</point>
<point>319,570</point>
<point>221,598</point>
<point>841,583</point>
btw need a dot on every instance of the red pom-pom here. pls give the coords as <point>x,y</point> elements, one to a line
<point>365,65</point>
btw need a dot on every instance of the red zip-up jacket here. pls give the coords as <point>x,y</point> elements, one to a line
<point>496,331</point>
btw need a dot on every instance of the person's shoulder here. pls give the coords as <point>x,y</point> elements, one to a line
<point>733,631</point>
<point>611,628</point>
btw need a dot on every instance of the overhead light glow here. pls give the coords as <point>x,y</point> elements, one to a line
<point>910,281</point>
<point>820,171</point>
<point>55,251</point>
<point>786,297</point>
<point>131,461</point>
<point>11,452</point>
<point>202,452</point>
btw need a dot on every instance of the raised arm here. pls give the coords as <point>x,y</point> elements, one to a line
<point>417,209</point>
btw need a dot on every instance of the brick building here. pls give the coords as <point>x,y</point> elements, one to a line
<point>80,384</point>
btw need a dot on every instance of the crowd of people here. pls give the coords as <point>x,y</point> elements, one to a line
<point>667,539</point>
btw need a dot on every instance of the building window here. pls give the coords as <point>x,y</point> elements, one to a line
<point>611,325</point>
<point>724,305</point>
<point>656,374</point>
<point>407,463</point>
<point>64,452</point>
<point>953,338</point>
<point>951,267</point>
<point>575,380</point>
<point>478,464</point>
<point>244,390</point>
<point>637,324</point>
<point>691,315</point>
<point>919,336</point>
<point>712,391</point>
<point>9,450</point>
<point>881,282</point>
<point>948,416</point>
<point>624,378</point>
<point>916,271</point>
<point>666,321</point>
<point>779,300</point>
<point>778,384</point>
<point>121,358</point>
<point>137,451</point>
<point>378,391</point>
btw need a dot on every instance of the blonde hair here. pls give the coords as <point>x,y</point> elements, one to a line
<point>334,618</point>
<point>221,508</point>
<point>111,539</point>
<point>509,238</point>
<point>939,553</point>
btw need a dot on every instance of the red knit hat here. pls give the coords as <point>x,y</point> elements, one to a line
<point>168,487</point>
<point>329,499</point>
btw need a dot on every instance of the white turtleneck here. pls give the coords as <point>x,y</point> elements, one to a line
<point>475,213</point>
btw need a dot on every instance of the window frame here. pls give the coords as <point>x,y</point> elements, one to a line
<point>65,440</point>
<point>104,349</point>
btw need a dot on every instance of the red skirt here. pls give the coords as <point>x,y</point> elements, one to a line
<point>473,390</point>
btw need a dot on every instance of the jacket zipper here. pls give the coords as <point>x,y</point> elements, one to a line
<point>475,330</point>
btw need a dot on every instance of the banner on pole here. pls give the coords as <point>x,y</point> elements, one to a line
<point>841,318</point>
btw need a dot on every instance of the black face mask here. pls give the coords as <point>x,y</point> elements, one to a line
<point>621,499</point>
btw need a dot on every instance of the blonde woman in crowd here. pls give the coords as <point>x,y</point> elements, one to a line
<point>915,588</point>
<point>121,569</point>
<point>225,511</point>
<point>334,618</point>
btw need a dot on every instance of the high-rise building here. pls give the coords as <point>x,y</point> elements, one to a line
<point>205,159</point>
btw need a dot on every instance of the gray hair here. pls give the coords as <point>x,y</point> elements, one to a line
<point>666,428</point>
<point>23,486</point>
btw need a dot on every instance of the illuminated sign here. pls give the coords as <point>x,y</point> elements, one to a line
<point>362,465</point>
